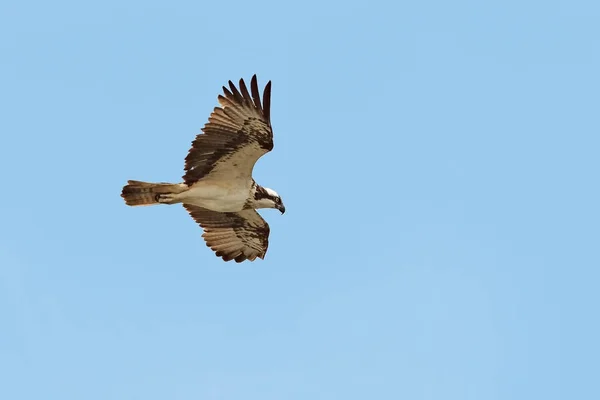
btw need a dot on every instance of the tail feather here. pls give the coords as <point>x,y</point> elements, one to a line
<point>137,193</point>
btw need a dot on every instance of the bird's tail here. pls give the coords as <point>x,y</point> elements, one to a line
<point>138,193</point>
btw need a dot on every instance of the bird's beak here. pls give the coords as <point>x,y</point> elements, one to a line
<point>282,209</point>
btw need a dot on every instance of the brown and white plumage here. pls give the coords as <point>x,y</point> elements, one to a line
<point>237,134</point>
<point>218,189</point>
<point>233,236</point>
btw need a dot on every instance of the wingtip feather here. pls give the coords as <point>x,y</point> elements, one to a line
<point>267,101</point>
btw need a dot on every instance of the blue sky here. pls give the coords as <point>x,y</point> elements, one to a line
<point>439,165</point>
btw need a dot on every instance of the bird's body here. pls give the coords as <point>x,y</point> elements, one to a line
<point>218,196</point>
<point>218,189</point>
<point>214,195</point>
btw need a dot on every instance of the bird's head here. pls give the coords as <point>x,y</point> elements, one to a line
<point>267,198</point>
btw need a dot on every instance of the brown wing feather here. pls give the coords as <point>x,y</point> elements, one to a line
<point>237,134</point>
<point>235,236</point>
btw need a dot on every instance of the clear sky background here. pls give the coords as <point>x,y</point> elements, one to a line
<point>438,160</point>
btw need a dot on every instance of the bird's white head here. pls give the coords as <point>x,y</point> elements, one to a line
<point>267,198</point>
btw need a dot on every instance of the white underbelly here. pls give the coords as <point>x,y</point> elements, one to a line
<point>223,198</point>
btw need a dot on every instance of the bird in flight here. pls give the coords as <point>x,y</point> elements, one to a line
<point>218,190</point>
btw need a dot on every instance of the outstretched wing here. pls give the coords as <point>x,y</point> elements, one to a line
<point>237,134</point>
<point>235,236</point>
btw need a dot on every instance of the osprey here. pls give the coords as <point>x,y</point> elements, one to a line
<point>218,190</point>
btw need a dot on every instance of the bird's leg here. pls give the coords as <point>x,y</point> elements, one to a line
<point>166,198</point>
